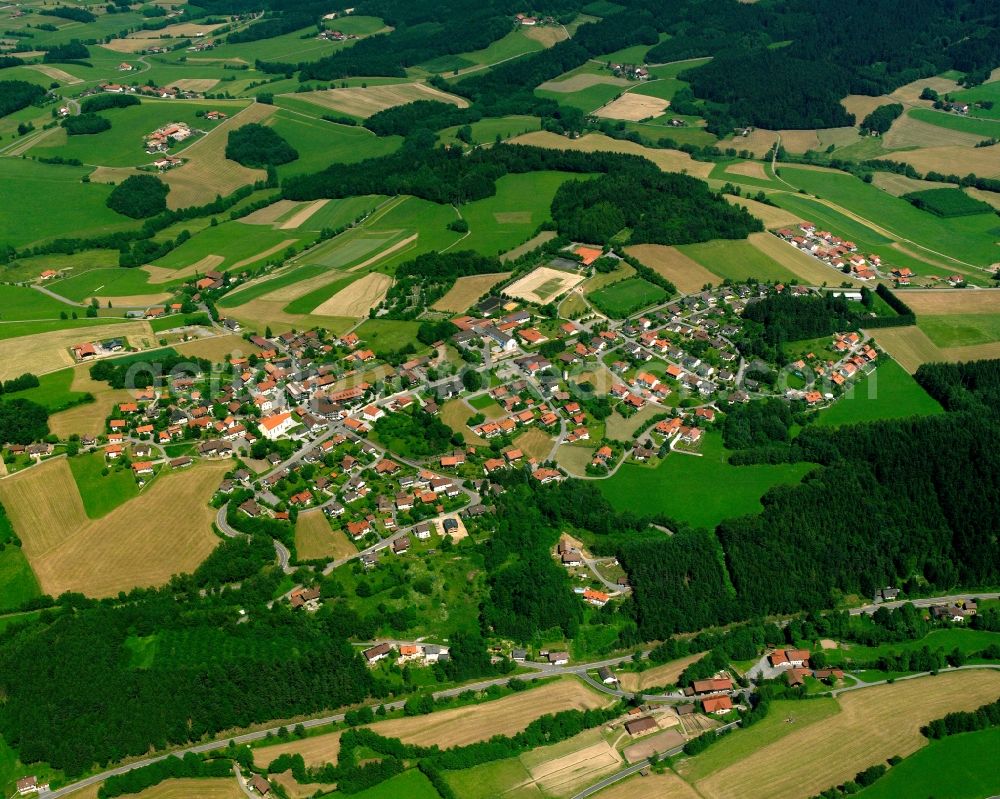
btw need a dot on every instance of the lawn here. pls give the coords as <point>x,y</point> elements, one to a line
<point>737,745</point>
<point>510,217</point>
<point>889,393</point>
<point>321,143</point>
<point>101,494</point>
<point>970,238</point>
<point>51,202</point>
<point>627,296</point>
<point>122,145</point>
<point>959,330</point>
<point>957,767</point>
<point>388,335</point>
<point>485,131</point>
<point>490,780</point>
<point>587,99</point>
<point>699,490</point>
<point>23,303</point>
<point>17,581</point>
<point>736,260</point>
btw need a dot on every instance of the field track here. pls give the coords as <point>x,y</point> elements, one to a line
<point>873,725</point>
<point>140,543</point>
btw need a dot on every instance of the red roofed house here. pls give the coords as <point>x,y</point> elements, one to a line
<point>276,425</point>
<point>717,705</point>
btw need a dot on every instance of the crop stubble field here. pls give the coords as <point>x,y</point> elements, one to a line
<point>542,284</point>
<point>873,725</point>
<point>314,538</point>
<point>141,543</point>
<point>467,290</point>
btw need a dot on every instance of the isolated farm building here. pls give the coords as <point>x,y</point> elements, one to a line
<point>519,655</point>
<point>641,725</point>
<point>558,658</point>
<point>789,657</point>
<point>712,685</point>
<point>606,676</point>
<point>717,705</point>
<point>376,653</point>
<point>571,558</point>
<point>304,596</point>
<point>30,785</point>
<point>83,352</point>
<point>259,785</point>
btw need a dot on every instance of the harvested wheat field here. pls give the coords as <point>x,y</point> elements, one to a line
<point>750,169</point>
<point>542,284</point>
<point>655,786</point>
<point>357,299</point>
<point>980,161</point>
<point>657,676</point>
<point>87,419</point>
<point>302,216</point>
<point>633,107</point>
<point>770,215</point>
<point>456,413</point>
<point>467,290</point>
<point>190,788</point>
<point>297,790</point>
<point>55,73</point>
<point>861,105</point>
<point>952,301</point>
<point>810,270</point>
<point>128,46</point>
<point>909,132</point>
<point>531,244</point>
<point>576,83</point>
<point>669,262</point>
<point>910,93</point>
<point>360,102</point>
<point>314,538</point>
<point>113,174</point>
<point>270,214</point>
<point>160,274</point>
<point>46,352</point>
<point>563,769</point>
<point>316,750</point>
<point>216,348</point>
<point>534,443</point>
<point>911,346</point>
<point>166,530</point>
<point>194,84</point>
<point>206,171</point>
<point>466,725</point>
<point>988,197</point>
<point>873,725</point>
<point>130,300</point>
<point>547,35</point>
<point>667,160</point>
<point>181,30</point>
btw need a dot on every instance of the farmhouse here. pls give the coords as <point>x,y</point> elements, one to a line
<point>789,657</point>
<point>376,653</point>
<point>717,705</point>
<point>639,726</point>
<point>257,784</point>
<point>30,785</point>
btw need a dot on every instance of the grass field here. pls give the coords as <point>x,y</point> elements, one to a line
<point>234,242</point>
<point>387,335</point>
<point>889,393</point>
<point>17,581</point>
<point>411,784</point>
<point>956,767</point>
<point>784,718</point>
<point>627,296</point>
<point>321,143</point>
<point>736,260</point>
<point>806,268</point>
<point>911,346</point>
<point>314,538</point>
<point>485,131</point>
<point>873,725</point>
<point>665,674</point>
<point>101,494</point>
<point>510,217</point>
<point>53,202</point>
<point>959,330</point>
<point>969,238</point>
<point>967,641</point>
<point>982,128</point>
<point>86,419</point>
<point>141,543</point>
<point>103,282</point>
<point>700,490</point>
<point>54,390</point>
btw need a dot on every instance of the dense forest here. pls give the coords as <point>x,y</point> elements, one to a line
<point>18,94</point>
<point>138,196</point>
<point>403,120</point>
<point>658,207</point>
<point>105,100</point>
<point>23,421</point>
<point>780,318</point>
<point>256,145</point>
<point>86,124</point>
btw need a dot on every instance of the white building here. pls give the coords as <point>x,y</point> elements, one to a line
<point>276,425</point>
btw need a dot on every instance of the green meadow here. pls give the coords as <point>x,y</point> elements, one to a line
<point>627,296</point>
<point>17,580</point>
<point>514,44</point>
<point>699,490</point>
<point>108,281</point>
<point>485,131</point>
<point>234,241</point>
<point>388,335</point>
<point>122,145</point>
<point>969,238</point>
<point>736,260</point>
<point>966,641</point>
<point>960,330</point>
<point>512,216</point>
<point>53,202</point>
<point>987,128</point>
<point>101,494</point>
<point>889,393</point>
<point>53,391</point>
<point>321,143</point>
